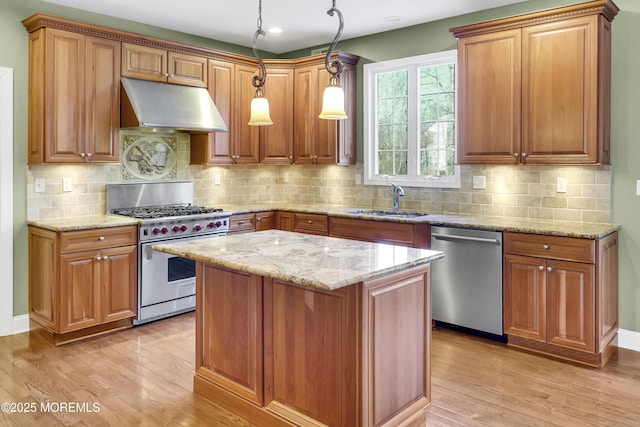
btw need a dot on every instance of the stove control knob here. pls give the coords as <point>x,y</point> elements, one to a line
<point>164,230</point>
<point>218,224</point>
<point>175,228</point>
<point>155,231</point>
<point>211,225</point>
<point>197,227</point>
<point>183,228</point>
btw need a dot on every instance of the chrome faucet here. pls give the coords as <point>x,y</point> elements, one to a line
<point>397,191</point>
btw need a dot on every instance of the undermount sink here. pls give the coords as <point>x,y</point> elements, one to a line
<point>386,213</point>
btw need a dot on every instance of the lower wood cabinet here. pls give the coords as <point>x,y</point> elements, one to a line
<point>303,223</point>
<point>395,233</point>
<point>82,283</point>
<point>561,295</point>
<point>281,354</point>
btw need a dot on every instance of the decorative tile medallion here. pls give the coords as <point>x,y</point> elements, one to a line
<point>149,157</point>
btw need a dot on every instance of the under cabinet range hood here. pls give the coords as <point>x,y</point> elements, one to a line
<point>164,107</point>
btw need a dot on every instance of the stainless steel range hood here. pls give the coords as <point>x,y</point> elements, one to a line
<point>164,107</point>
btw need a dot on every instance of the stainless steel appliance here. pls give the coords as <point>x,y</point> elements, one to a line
<point>466,285</point>
<point>166,283</point>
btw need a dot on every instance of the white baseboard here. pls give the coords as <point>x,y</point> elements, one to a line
<point>20,324</point>
<point>629,340</point>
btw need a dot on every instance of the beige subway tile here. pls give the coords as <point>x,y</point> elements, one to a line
<point>581,203</point>
<point>596,216</point>
<point>566,215</point>
<point>540,213</point>
<point>553,202</point>
<point>516,211</point>
<point>529,201</point>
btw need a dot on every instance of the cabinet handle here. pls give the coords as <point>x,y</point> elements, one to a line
<point>545,247</point>
<point>240,222</point>
<point>89,155</point>
<point>101,238</point>
<point>172,75</point>
<point>105,257</point>
<point>540,267</point>
<point>98,258</point>
<point>516,155</point>
<point>309,221</point>
<point>258,219</point>
<point>166,74</point>
<point>82,155</point>
<point>549,269</point>
<point>524,155</point>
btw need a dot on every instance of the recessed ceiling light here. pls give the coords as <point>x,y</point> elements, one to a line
<point>275,30</point>
<point>392,18</point>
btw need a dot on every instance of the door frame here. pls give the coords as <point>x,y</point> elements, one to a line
<point>6,200</point>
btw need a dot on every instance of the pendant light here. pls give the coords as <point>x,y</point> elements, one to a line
<point>333,97</point>
<point>259,104</point>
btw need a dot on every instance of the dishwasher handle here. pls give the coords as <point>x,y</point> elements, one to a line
<point>464,238</point>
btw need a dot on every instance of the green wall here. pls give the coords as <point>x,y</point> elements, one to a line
<point>416,40</point>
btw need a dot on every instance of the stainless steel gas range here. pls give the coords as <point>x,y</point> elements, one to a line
<point>166,283</point>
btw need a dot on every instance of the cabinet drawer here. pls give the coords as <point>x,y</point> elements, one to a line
<point>72,241</point>
<point>552,247</point>
<point>265,221</point>
<point>372,231</point>
<point>311,223</point>
<point>242,223</point>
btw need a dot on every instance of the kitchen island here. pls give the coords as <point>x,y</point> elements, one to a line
<point>296,329</point>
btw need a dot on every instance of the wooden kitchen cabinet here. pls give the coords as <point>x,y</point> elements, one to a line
<point>319,141</point>
<point>74,97</point>
<point>265,220</point>
<point>82,283</point>
<point>242,223</point>
<point>394,233</point>
<point>535,88</point>
<point>303,222</point>
<point>231,89</point>
<point>561,295</point>
<point>160,65</point>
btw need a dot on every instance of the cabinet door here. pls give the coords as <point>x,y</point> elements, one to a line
<point>215,147</point>
<point>189,70</point>
<point>142,62</point>
<point>276,140</point>
<point>285,221</point>
<point>305,114</point>
<point>326,131</point>
<point>560,91</point>
<point>489,98</point>
<point>102,105</point>
<point>246,140</point>
<point>64,97</point>
<point>265,221</point>
<point>79,290</point>
<point>524,297</point>
<point>119,268</point>
<point>571,305</point>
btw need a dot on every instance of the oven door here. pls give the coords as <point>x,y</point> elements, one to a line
<point>164,277</point>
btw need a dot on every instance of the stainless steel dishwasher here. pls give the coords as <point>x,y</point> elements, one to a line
<point>466,285</point>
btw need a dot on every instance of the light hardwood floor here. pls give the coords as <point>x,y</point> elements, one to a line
<point>143,377</point>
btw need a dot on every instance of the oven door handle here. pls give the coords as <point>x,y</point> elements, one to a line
<point>148,251</point>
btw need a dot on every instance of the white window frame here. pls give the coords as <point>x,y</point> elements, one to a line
<point>411,64</point>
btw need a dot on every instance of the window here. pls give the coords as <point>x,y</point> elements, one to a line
<point>409,121</point>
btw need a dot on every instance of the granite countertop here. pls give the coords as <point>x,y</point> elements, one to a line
<point>83,222</point>
<point>318,261</point>
<point>518,225</point>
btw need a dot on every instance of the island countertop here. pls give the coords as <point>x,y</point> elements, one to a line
<point>318,261</point>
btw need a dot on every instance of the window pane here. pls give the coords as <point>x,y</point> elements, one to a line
<point>429,107</point>
<point>447,77</point>
<point>385,137</point>
<point>429,136</point>
<point>429,80</point>
<point>401,137</point>
<point>446,106</point>
<point>400,110</point>
<point>401,163</point>
<point>385,162</point>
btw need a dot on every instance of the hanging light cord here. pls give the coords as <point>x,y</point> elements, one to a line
<point>259,80</point>
<point>334,67</point>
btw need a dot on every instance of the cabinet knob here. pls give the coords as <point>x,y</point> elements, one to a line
<point>101,238</point>
<point>105,257</point>
<point>545,247</point>
<point>549,269</point>
<point>98,258</point>
<point>166,74</point>
<point>172,75</point>
<point>258,219</point>
<point>516,155</point>
<point>240,222</point>
<point>524,155</point>
<point>89,155</point>
<point>540,267</point>
<point>309,221</point>
<point>82,155</point>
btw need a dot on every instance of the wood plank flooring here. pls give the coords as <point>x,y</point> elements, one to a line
<point>143,377</point>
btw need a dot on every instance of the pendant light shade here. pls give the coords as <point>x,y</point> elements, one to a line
<point>259,104</point>
<point>333,97</point>
<point>333,101</point>
<point>260,110</point>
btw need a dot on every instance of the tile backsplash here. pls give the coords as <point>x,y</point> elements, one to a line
<point>512,191</point>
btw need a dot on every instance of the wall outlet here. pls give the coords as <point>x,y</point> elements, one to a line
<point>358,179</point>
<point>286,177</point>
<point>66,184</point>
<point>479,182</point>
<point>216,179</point>
<point>39,185</point>
<point>561,186</point>
<point>638,187</point>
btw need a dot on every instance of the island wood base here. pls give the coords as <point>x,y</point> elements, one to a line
<point>277,353</point>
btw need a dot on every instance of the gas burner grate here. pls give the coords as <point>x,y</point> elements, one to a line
<point>165,211</point>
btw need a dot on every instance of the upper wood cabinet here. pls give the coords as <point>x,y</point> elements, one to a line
<point>149,63</point>
<point>320,141</point>
<point>74,98</point>
<point>535,88</point>
<point>276,140</point>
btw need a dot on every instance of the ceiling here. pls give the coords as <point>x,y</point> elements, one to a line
<point>304,23</point>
